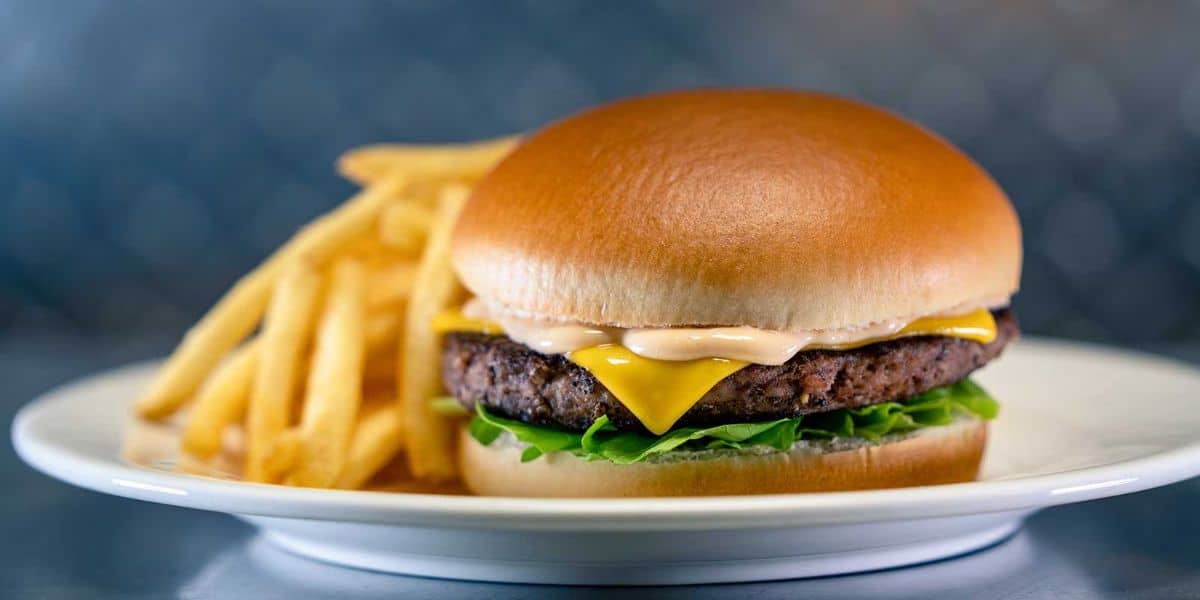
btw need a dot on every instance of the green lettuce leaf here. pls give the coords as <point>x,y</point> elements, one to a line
<point>602,441</point>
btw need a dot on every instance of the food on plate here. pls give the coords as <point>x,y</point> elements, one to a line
<point>300,373</point>
<point>377,438</point>
<point>371,164</point>
<point>692,293</point>
<point>240,310</point>
<point>723,292</point>
<point>429,435</point>
<point>286,328</point>
<point>334,392</point>
<point>221,402</point>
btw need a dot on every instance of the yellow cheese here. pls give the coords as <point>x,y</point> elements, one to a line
<point>453,320</point>
<point>659,392</point>
<point>979,326</point>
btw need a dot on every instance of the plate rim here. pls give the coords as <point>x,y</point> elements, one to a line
<point>62,461</point>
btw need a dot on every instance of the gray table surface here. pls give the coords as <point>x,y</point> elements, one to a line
<point>57,541</point>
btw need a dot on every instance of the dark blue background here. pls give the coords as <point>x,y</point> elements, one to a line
<point>151,151</point>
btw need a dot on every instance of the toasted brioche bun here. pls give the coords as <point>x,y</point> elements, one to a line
<point>946,454</point>
<point>776,209</point>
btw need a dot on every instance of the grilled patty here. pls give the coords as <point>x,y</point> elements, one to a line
<point>520,383</point>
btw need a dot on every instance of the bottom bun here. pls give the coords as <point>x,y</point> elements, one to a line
<point>945,454</point>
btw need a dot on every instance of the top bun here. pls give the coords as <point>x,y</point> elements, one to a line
<point>776,209</point>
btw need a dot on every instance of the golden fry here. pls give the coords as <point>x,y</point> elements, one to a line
<point>225,325</point>
<point>287,328</point>
<point>377,438</point>
<point>391,285</point>
<point>403,227</point>
<point>391,277</point>
<point>468,161</point>
<point>370,250</point>
<point>429,436</point>
<point>284,452</point>
<point>381,332</point>
<point>380,369</point>
<point>239,311</point>
<point>426,192</point>
<point>335,381</point>
<point>221,401</point>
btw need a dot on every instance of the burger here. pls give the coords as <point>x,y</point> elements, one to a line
<point>728,292</point>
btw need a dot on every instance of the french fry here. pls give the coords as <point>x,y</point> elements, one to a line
<point>380,369</point>
<point>391,285</point>
<point>221,401</point>
<point>334,387</point>
<point>429,436</point>
<point>284,452</point>
<point>377,438</point>
<point>469,161</point>
<point>240,309</point>
<point>226,324</point>
<point>403,227</point>
<point>370,333</point>
<point>382,330</point>
<point>370,250</point>
<point>426,192</point>
<point>288,325</point>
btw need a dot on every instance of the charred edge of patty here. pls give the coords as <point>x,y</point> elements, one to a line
<point>517,382</point>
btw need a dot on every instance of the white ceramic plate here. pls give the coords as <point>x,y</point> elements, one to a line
<point>1078,422</point>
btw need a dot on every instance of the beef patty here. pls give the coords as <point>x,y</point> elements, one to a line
<point>520,383</point>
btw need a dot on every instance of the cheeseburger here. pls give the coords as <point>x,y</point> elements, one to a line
<point>728,292</point>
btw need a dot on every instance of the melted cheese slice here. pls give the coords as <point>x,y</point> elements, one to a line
<point>979,326</point>
<point>453,320</point>
<point>659,392</point>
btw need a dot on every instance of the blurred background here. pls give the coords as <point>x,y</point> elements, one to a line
<point>150,152</point>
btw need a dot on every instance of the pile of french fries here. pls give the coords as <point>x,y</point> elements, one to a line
<point>323,357</point>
